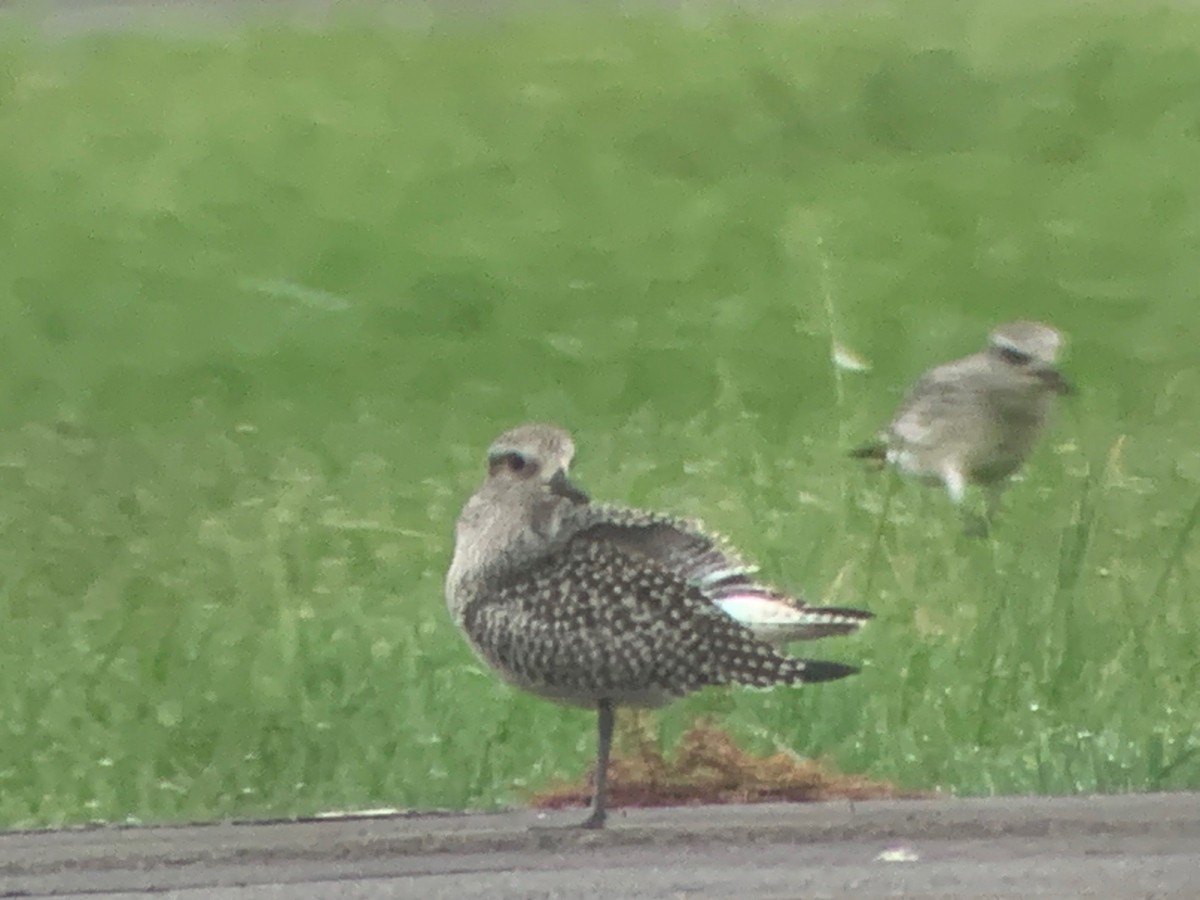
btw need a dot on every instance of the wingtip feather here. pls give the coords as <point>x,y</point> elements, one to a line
<point>820,670</point>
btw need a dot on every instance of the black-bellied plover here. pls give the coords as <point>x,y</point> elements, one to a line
<point>603,606</point>
<point>977,419</point>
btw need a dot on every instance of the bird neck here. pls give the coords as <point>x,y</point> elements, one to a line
<point>500,532</point>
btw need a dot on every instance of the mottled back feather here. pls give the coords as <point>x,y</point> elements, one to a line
<point>599,618</point>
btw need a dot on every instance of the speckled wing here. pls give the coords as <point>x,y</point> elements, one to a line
<point>596,619</point>
<point>707,562</point>
<point>679,544</point>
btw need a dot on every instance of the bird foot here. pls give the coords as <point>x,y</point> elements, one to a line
<point>594,821</point>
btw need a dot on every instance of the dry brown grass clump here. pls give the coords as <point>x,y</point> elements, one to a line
<point>708,767</point>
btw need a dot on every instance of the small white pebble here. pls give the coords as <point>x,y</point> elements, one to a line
<point>898,854</point>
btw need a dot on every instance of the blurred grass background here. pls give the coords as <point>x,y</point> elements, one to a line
<point>268,294</point>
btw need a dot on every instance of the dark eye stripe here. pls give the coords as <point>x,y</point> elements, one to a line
<point>513,461</point>
<point>1011,355</point>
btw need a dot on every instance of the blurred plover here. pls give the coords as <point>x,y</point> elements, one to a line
<point>976,420</point>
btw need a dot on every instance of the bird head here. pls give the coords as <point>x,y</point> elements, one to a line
<point>1031,349</point>
<point>534,457</point>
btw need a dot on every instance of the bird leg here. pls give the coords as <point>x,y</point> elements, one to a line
<point>604,734</point>
<point>994,494</point>
<point>974,524</point>
<point>980,517</point>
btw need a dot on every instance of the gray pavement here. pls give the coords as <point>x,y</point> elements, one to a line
<point>1119,846</point>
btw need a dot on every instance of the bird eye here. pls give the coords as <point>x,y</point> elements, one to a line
<point>516,462</point>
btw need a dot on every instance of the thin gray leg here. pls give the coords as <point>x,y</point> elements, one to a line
<point>604,733</point>
<point>995,493</point>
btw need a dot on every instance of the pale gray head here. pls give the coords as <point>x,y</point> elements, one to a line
<point>534,457</point>
<point>1031,348</point>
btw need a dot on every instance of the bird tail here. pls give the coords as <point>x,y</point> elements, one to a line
<point>876,451</point>
<point>755,663</point>
<point>806,671</point>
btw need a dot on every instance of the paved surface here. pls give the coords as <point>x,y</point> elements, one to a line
<point>1128,846</point>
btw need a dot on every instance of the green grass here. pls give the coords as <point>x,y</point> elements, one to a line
<point>265,300</point>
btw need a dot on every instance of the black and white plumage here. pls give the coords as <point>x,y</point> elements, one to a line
<point>602,606</point>
<point>976,420</point>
